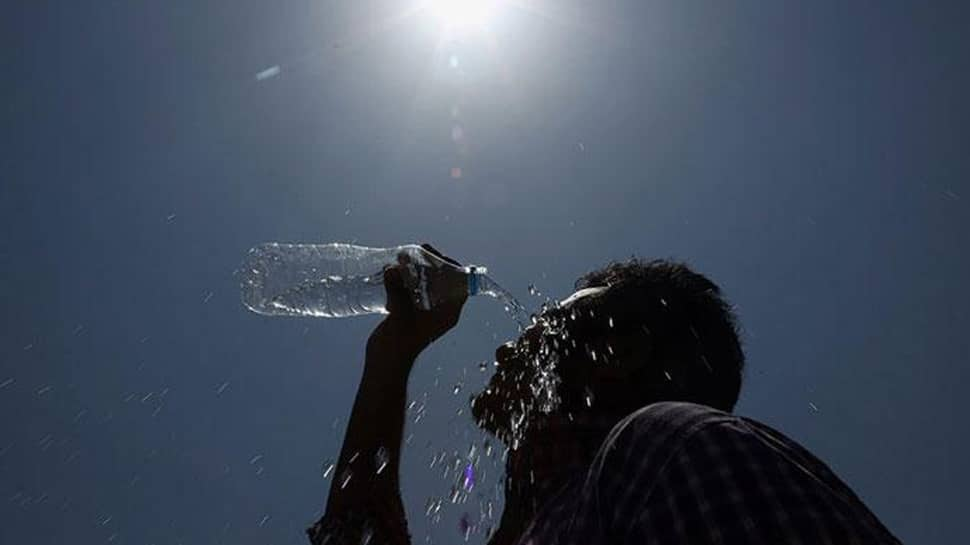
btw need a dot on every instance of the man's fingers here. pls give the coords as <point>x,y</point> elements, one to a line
<point>397,293</point>
<point>432,250</point>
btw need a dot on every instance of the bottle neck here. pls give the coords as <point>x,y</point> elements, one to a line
<point>477,281</point>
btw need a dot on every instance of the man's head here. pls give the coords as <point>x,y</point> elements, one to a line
<point>632,334</point>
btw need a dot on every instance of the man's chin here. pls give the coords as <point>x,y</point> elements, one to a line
<point>491,416</point>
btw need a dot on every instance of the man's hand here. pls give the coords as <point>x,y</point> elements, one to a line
<point>408,327</point>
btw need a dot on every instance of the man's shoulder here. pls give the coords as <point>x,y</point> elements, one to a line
<point>635,453</point>
<point>677,410</point>
<point>649,436</point>
<point>656,432</point>
<point>670,419</point>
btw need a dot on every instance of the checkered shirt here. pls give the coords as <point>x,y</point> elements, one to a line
<point>679,473</point>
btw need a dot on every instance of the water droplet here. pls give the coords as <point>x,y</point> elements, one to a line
<point>328,470</point>
<point>465,525</point>
<point>456,389</point>
<point>813,407</point>
<point>381,459</point>
<point>432,506</point>
<point>707,364</point>
<point>268,73</point>
<point>588,397</point>
<point>483,366</point>
<point>533,290</point>
<point>611,322</point>
<point>345,479</point>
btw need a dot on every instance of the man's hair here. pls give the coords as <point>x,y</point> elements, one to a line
<point>696,353</point>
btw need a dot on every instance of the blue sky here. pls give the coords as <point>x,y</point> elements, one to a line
<point>810,157</point>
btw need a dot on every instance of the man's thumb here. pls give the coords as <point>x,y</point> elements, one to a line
<point>398,300</point>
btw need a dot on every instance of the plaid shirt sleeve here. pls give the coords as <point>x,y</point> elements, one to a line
<point>680,473</point>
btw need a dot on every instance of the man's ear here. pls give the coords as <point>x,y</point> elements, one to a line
<point>630,353</point>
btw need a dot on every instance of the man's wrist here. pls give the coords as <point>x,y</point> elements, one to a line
<point>394,344</point>
<point>392,350</point>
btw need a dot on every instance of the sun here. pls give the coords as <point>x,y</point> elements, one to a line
<point>462,13</point>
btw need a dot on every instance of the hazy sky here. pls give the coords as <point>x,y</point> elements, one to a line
<point>810,156</point>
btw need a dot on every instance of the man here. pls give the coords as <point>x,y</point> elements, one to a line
<point>615,407</point>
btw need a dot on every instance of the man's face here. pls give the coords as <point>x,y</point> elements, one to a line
<point>558,366</point>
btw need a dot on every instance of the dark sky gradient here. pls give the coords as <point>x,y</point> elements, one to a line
<point>810,156</point>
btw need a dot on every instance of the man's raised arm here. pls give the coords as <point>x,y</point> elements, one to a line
<point>364,504</point>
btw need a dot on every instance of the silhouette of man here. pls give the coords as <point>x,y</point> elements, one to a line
<point>615,406</point>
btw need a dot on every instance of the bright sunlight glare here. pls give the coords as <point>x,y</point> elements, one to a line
<point>462,13</point>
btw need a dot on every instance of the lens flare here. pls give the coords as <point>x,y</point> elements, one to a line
<point>462,13</point>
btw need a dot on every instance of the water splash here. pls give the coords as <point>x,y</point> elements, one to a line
<point>489,287</point>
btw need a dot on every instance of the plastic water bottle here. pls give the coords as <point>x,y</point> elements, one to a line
<point>337,280</point>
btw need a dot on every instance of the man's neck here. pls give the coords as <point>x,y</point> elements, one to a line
<point>551,457</point>
<point>510,528</point>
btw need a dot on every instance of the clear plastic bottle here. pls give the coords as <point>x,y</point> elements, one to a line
<point>338,280</point>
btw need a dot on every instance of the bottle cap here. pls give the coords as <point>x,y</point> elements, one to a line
<point>474,272</point>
